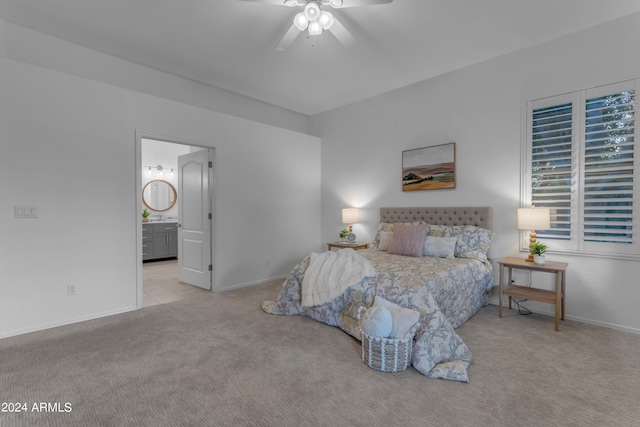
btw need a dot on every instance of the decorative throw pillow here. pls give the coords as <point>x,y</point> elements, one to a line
<point>388,227</point>
<point>385,240</point>
<point>441,247</point>
<point>403,319</point>
<point>440,231</point>
<point>377,322</point>
<point>408,239</point>
<point>382,227</point>
<point>473,242</point>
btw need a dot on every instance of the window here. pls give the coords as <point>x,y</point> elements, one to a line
<point>580,164</point>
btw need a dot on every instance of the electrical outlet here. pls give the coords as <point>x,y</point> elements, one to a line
<point>71,290</point>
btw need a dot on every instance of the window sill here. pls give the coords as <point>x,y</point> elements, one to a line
<point>622,257</point>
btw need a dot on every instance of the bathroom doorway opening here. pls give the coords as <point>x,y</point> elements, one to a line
<point>174,264</point>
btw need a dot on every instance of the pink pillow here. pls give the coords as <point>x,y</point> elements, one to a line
<point>408,239</point>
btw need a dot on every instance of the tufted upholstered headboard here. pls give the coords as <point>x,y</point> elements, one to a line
<point>480,216</point>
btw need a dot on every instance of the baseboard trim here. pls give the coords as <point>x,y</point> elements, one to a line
<point>46,326</point>
<point>579,319</point>
<point>254,283</point>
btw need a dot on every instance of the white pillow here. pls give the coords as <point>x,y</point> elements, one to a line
<point>441,247</point>
<point>377,322</point>
<point>385,239</point>
<point>404,319</point>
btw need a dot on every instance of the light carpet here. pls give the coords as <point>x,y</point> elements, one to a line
<point>221,361</point>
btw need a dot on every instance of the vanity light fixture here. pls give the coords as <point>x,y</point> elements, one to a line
<point>159,170</point>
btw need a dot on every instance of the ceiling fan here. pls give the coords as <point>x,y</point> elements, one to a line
<point>315,19</point>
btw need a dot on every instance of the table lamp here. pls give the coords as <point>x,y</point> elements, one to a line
<point>533,219</point>
<point>350,216</point>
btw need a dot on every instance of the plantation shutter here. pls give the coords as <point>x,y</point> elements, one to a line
<point>552,162</point>
<point>609,169</point>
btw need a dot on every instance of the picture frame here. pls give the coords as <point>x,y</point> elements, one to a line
<point>429,168</point>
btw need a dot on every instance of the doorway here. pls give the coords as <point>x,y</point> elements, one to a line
<point>165,251</point>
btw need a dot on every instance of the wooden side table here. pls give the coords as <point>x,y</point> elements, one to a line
<point>556,297</point>
<point>342,245</point>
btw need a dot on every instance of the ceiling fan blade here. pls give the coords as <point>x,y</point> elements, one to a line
<point>288,38</point>
<point>342,34</point>
<point>345,3</point>
<point>276,2</point>
<point>356,3</point>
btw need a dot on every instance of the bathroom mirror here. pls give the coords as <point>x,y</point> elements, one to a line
<point>159,195</point>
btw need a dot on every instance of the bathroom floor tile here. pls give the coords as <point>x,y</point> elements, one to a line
<point>160,284</point>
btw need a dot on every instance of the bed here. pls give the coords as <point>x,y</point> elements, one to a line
<point>447,279</point>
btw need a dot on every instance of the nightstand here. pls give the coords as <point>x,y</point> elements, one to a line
<point>342,245</point>
<point>556,297</point>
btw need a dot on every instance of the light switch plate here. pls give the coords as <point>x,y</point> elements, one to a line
<point>25,212</point>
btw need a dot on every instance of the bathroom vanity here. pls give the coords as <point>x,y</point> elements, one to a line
<point>159,240</point>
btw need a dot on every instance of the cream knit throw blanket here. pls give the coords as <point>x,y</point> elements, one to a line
<point>330,273</point>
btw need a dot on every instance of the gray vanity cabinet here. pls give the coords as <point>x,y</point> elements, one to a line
<point>147,244</point>
<point>159,240</point>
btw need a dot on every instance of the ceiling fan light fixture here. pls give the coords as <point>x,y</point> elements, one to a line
<point>314,19</point>
<point>326,19</point>
<point>312,11</point>
<point>300,21</point>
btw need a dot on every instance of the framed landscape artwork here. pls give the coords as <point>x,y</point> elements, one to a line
<point>429,168</point>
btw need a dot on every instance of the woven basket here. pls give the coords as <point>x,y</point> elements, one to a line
<point>387,354</point>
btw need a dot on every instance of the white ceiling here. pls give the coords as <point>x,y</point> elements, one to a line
<point>230,44</point>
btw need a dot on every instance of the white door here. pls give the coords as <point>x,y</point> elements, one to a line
<point>194,219</point>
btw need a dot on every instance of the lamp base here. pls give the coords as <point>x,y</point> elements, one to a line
<point>532,240</point>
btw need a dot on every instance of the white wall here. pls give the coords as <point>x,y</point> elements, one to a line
<point>31,47</point>
<point>481,108</point>
<point>57,132</point>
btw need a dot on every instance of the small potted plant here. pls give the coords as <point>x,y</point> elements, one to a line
<point>538,249</point>
<point>343,233</point>
<point>145,215</point>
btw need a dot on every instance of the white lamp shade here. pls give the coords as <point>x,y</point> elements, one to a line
<point>312,12</point>
<point>315,29</point>
<point>300,21</point>
<point>326,20</point>
<point>350,215</point>
<point>534,219</point>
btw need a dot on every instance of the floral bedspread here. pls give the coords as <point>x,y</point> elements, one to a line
<point>446,292</point>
